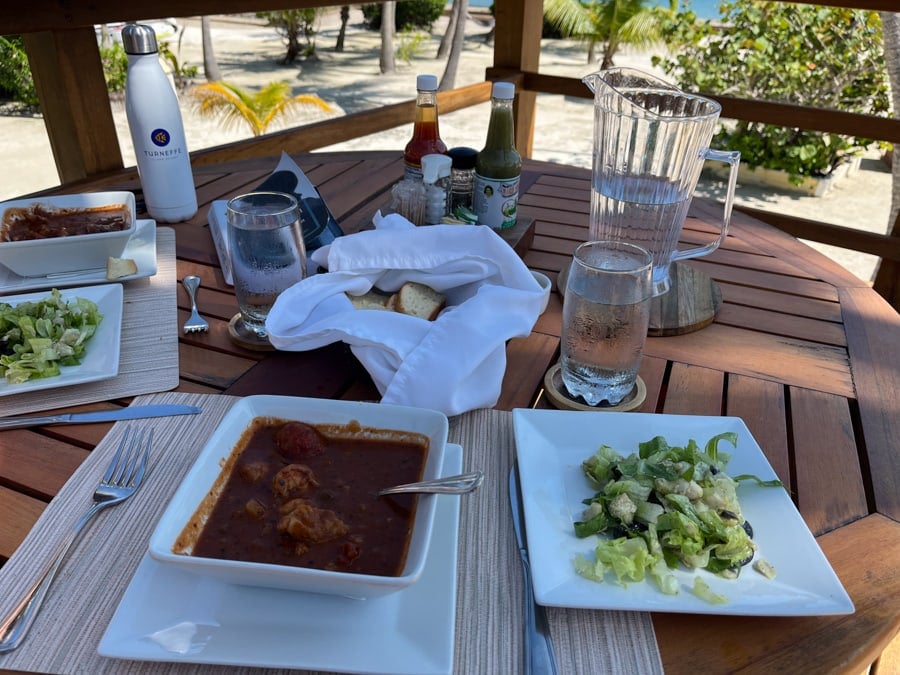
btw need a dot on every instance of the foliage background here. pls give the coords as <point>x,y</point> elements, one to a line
<point>802,54</point>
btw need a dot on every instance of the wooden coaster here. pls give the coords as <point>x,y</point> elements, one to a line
<point>691,303</point>
<point>245,338</point>
<point>560,397</point>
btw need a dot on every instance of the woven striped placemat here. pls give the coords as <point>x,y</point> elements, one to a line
<point>148,361</point>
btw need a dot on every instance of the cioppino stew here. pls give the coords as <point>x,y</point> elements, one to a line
<point>306,495</point>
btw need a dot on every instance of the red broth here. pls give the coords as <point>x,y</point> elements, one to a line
<point>306,496</point>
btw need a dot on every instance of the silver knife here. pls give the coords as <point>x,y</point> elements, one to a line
<point>131,413</point>
<point>539,656</point>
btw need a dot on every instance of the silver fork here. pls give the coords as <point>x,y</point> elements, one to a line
<point>122,479</point>
<point>195,323</point>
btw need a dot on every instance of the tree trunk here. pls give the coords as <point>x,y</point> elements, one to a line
<point>461,7</point>
<point>345,18</point>
<point>887,274</point>
<point>386,60</point>
<point>210,65</point>
<point>890,22</point>
<point>447,40</point>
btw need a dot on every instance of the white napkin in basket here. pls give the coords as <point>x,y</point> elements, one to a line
<point>453,364</point>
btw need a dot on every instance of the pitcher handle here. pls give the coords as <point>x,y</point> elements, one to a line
<point>733,159</point>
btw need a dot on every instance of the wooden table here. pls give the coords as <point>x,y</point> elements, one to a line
<point>802,350</point>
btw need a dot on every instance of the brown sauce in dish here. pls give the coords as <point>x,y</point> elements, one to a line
<point>297,496</point>
<point>42,222</point>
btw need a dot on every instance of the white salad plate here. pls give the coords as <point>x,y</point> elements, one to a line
<point>101,358</point>
<point>141,248</point>
<point>168,614</point>
<point>550,446</point>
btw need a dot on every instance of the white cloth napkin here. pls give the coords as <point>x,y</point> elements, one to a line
<point>452,364</point>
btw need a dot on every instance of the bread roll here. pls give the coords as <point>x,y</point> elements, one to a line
<point>374,299</point>
<point>117,268</point>
<point>420,300</point>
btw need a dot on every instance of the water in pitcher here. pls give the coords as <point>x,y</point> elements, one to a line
<point>644,210</point>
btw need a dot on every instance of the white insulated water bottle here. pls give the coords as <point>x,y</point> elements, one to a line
<point>157,130</point>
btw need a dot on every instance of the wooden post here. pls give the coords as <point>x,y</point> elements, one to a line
<point>68,76</point>
<point>887,275</point>
<point>517,48</point>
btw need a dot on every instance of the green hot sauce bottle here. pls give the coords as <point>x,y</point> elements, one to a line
<point>498,166</point>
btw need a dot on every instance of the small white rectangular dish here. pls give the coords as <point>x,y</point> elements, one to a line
<point>55,254</point>
<point>550,446</point>
<point>141,248</point>
<point>168,614</point>
<point>203,475</point>
<point>101,360</point>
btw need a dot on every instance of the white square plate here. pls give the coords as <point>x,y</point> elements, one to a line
<point>101,359</point>
<point>551,444</point>
<point>168,614</point>
<point>141,248</point>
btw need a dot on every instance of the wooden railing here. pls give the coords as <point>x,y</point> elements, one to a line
<point>65,62</point>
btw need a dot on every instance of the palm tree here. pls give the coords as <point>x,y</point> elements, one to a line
<point>342,33</point>
<point>890,32</point>
<point>236,107</point>
<point>210,65</point>
<point>447,38</point>
<point>386,60</point>
<point>612,23</point>
<point>460,9</point>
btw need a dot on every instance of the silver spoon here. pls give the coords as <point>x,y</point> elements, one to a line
<point>451,485</point>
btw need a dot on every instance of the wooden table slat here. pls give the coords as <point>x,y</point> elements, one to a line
<point>829,488</point>
<point>873,337</point>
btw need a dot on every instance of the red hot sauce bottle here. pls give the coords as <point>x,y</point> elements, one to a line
<point>426,139</point>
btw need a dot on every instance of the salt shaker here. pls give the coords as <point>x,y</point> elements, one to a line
<point>436,178</point>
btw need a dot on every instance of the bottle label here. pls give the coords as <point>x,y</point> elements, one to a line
<point>160,137</point>
<point>161,146</point>
<point>496,201</point>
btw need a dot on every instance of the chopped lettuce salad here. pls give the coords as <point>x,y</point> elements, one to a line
<point>36,338</point>
<point>662,507</point>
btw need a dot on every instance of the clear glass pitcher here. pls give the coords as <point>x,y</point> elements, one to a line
<point>650,142</point>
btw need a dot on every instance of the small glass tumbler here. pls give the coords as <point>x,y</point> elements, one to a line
<point>606,313</point>
<point>268,256</point>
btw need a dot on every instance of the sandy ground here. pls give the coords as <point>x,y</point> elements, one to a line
<point>248,55</point>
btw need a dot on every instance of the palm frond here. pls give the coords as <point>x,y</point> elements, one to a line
<point>236,107</point>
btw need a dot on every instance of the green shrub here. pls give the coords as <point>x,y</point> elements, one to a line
<point>115,66</point>
<point>409,14</point>
<point>801,54</point>
<point>16,82</point>
<point>412,43</point>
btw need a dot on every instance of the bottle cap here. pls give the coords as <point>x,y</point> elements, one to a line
<point>139,39</point>
<point>435,166</point>
<point>463,158</point>
<point>506,90</point>
<point>426,82</point>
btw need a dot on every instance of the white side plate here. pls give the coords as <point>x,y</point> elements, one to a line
<point>551,444</point>
<point>167,614</point>
<point>101,359</point>
<point>141,248</point>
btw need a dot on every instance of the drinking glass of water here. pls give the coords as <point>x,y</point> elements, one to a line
<point>606,313</point>
<point>268,256</point>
